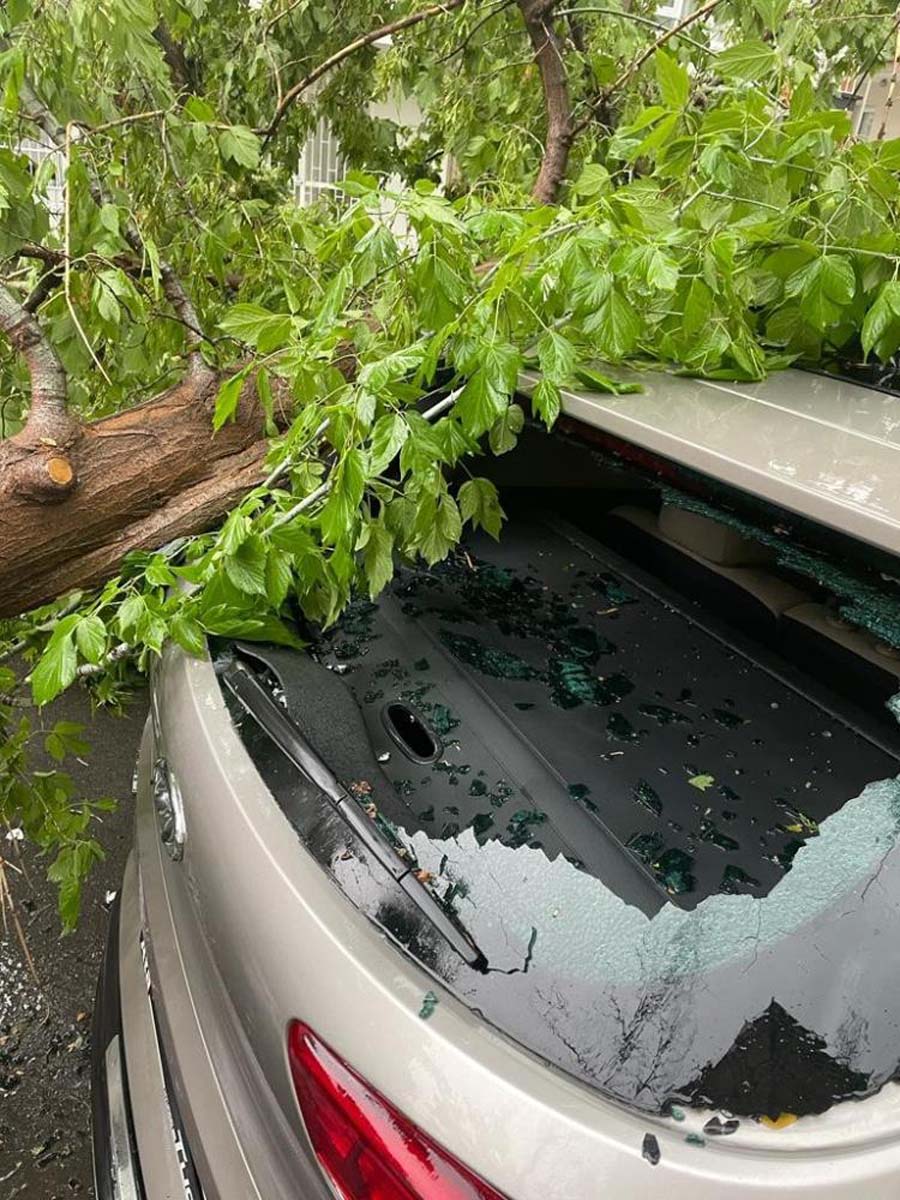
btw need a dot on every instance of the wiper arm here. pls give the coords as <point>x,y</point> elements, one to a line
<point>278,725</point>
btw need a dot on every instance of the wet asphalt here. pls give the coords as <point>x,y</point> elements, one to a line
<point>45,1015</point>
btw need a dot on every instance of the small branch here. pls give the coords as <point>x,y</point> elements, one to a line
<point>285,12</point>
<point>877,56</point>
<point>498,8</point>
<point>180,69</point>
<point>538,18</point>
<point>187,314</point>
<point>8,904</point>
<point>172,287</point>
<point>324,488</point>
<point>675,31</point>
<point>87,670</point>
<point>47,420</point>
<point>48,282</point>
<point>132,119</point>
<point>892,87</point>
<point>632,16</point>
<point>367,39</point>
<point>67,267</point>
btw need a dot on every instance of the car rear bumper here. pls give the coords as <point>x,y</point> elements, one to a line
<point>139,1148</point>
<point>116,1167</point>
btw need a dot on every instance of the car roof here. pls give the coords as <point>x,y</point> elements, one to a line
<point>819,446</point>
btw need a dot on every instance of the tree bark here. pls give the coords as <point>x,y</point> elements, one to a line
<point>548,54</point>
<point>139,479</point>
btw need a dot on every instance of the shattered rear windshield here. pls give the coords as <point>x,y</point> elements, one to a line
<point>679,862</point>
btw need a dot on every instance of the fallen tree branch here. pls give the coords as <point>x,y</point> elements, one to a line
<point>366,39</point>
<point>146,475</point>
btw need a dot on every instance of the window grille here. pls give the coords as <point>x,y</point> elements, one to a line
<point>320,167</point>
<point>38,152</point>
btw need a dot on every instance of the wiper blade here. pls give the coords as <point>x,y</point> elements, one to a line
<point>278,725</point>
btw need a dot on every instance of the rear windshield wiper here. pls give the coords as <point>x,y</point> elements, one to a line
<point>278,725</point>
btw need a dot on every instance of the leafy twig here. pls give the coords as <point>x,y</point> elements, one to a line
<point>367,39</point>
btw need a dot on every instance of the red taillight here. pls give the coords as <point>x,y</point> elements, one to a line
<point>368,1149</point>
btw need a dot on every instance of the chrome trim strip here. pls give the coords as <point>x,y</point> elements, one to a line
<point>124,1175</point>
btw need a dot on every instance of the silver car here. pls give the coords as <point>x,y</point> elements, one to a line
<point>566,870</point>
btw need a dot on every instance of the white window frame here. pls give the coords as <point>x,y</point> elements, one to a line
<point>321,165</point>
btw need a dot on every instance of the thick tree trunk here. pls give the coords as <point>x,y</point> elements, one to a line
<point>70,511</point>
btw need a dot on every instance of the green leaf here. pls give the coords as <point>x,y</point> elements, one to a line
<point>593,181</point>
<point>198,110</point>
<point>235,530</point>
<point>702,782</point>
<point>264,392</point>
<point>188,633</point>
<point>546,401</point>
<point>889,154</point>
<point>18,11</point>
<point>279,576</point>
<point>751,60</point>
<point>228,397</point>
<point>107,305</point>
<point>378,557</point>
<point>501,363</point>
<point>487,391</point>
<point>674,81</point>
<point>158,573</point>
<point>257,327</point>
<point>881,325</point>
<point>55,671</point>
<point>658,136</point>
<point>479,405</point>
<point>340,510</point>
<point>698,307</point>
<point>595,381</point>
<point>90,637</point>
<point>440,290</point>
<point>131,612</point>
<point>109,218</point>
<point>556,355</point>
<point>375,376</point>
<point>826,285</point>
<point>68,871</point>
<point>66,738</point>
<point>240,145</point>
<point>296,538</point>
<point>441,526</point>
<point>505,430</point>
<point>590,289</point>
<point>772,12</point>
<point>662,271</point>
<point>388,436</point>
<point>246,568</point>
<point>616,327</point>
<point>480,504</point>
